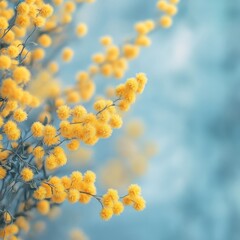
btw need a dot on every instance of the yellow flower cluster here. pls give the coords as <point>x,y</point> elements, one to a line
<point>111,204</point>
<point>35,13</point>
<point>28,14</point>
<point>81,188</point>
<point>75,188</point>
<point>134,198</point>
<point>12,229</point>
<point>128,91</point>
<point>79,125</point>
<point>15,75</point>
<point>9,231</point>
<point>12,91</point>
<point>11,130</point>
<point>114,62</point>
<point>19,115</point>
<point>57,158</point>
<point>27,174</point>
<point>169,8</point>
<point>142,29</point>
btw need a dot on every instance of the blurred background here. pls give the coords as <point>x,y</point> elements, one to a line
<point>190,113</point>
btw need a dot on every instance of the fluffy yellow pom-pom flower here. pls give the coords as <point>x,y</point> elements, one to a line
<point>27,174</point>
<point>19,115</point>
<point>43,207</point>
<point>38,152</point>
<point>130,51</point>
<point>67,54</point>
<point>134,190</point>
<point>46,10</point>
<point>22,21</point>
<point>45,40</point>
<point>103,130</point>
<point>40,193</point>
<point>76,179</point>
<point>118,208</point>
<point>139,203</point>
<point>37,129</point>
<point>106,213</point>
<point>89,177</point>
<point>51,162</point>
<point>3,23</point>
<point>38,54</point>
<point>73,145</point>
<point>171,10</point>
<point>66,182</point>
<point>73,195</point>
<point>115,121</point>
<point>106,40</point>
<point>21,75</point>
<point>63,112</point>
<point>162,5</point>
<point>5,62</point>
<point>11,130</point>
<point>166,21</point>
<point>13,51</point>
<point>23,8</point>
<point>81,30</point>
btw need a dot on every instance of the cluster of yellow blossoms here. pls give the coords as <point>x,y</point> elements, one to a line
<point>112,205</point>
<point>32,148</point>
<point>81,188</point>
<point>114,61</point>
<point>75,125</point>
<point>169,8</point>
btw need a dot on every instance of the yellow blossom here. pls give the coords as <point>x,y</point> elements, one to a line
<point>3,173</point>
<point>45,40</point>
<point>67,54</point>
<point>5,62</point>
<point>81,30</point>
<point>63,112</point>
<point>43,207</point>
<point>37,129</point>
<point>106,213</point>
<point>19,115</point>
<point>73,195</point>
<point>166,21</point>
<point>46,10</point>
<point>27,174</point>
